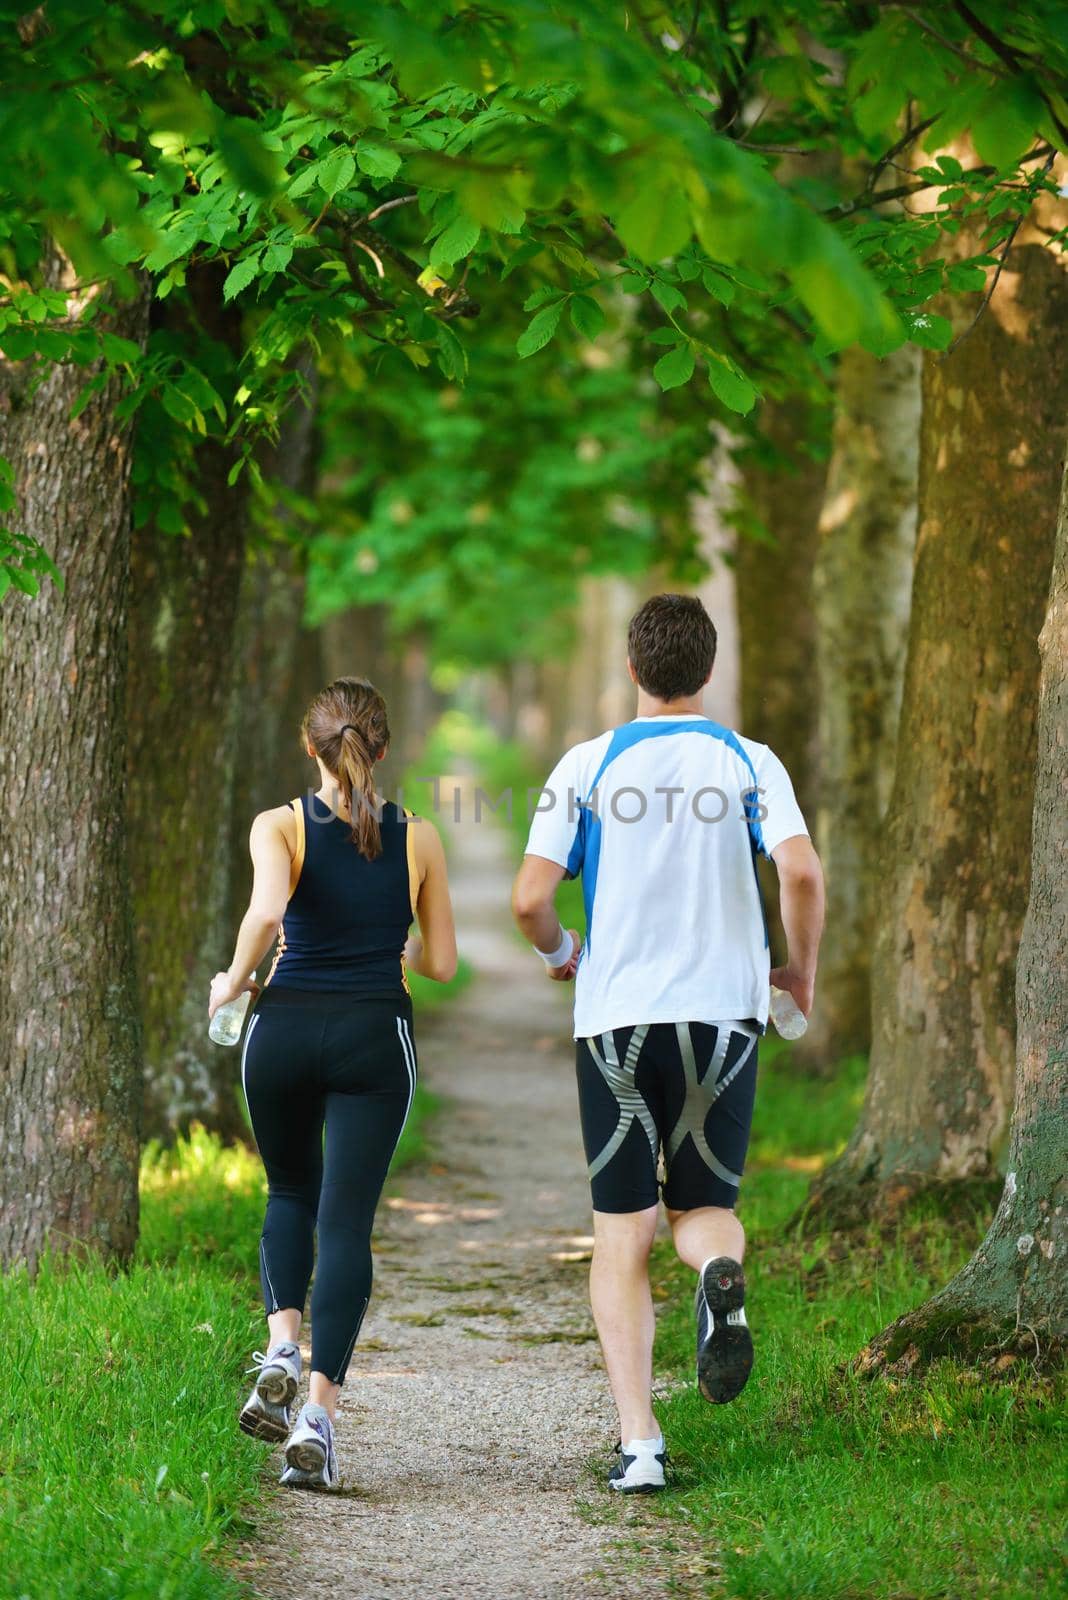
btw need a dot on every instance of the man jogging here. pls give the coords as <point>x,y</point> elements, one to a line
<point>664,818</point>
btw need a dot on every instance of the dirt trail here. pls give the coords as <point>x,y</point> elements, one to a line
<point>476,1397</point>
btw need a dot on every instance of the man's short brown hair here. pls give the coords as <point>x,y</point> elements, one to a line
<point>672,645</point>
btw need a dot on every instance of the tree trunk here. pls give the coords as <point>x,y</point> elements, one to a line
<point>181,760</point>
<point>954,876</point>
<point>70,1052</point>
<point>1015,1288</point>
<point>863,586</point>
<point>777,519</point>
<point>279,670</point>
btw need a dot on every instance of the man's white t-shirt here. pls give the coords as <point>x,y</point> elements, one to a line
<point>664,818</point>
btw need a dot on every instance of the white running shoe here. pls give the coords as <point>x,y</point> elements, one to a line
<point>311,1460</point>
<point>265,1414</point>
<point>640,1468</point>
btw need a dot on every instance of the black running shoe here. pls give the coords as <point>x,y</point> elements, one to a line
<point>640,1468</point>
<point>724,1343</point>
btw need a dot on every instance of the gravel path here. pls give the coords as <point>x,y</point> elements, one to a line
<point>476,1399</point>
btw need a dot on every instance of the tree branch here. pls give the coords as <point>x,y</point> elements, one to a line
<point>1013,59</point>
<point>989,294</point>
<point>870,198</point>
<point>949,44</point>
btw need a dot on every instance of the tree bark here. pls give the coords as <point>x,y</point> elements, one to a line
<point>862,588</point>
<point>181,758</point>
<point>279,670</point>
<point>70,1053</point>
<point>954,876</point>
<point>777,518</point>
<point>1015,1288</point>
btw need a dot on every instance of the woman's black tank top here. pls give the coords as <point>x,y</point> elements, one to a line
<point>348,918</point>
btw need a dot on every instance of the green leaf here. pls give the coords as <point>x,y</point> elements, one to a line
<point>17,343</point>
<point>732,387</point>
<point>721,288</point>
<point>540,296</point>
<point>240,276</point>
<point>94,386</point>
<point>336,172</point>
<point>668,297</point>
<point>526,252</point>
<point>540,330</point>
<point>928,330</point>
<point>377,160</point>
<point>458,240</point>
<point>656,222</point>
<point>305,178</point>
<point>452,357</point>
<point>950,166</point>
<point>586,315</point>
<point>884,339</point>
<point>120,352</point>
<point>21,578</point>
<point>180,407</point>
<point>675,368</point>
<point>963,277</point>
<point>276,257</point>
<point>253,164</point>
<point>1006,122</point>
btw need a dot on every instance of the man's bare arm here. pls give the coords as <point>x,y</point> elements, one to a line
<point>534,908</point>
<point>801,909</point>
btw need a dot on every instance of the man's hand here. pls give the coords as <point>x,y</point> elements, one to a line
<point>224,988</point>
<point>802,989</point>
<point>565,973</point>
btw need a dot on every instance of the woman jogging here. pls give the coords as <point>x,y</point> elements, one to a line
<point>339,875</point>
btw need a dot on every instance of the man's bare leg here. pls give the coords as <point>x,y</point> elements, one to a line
<point>705,1232</point>
<point>623,1312</point>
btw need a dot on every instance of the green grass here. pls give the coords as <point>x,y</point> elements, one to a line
<point>122,1473</point>
<point>818,1483</point>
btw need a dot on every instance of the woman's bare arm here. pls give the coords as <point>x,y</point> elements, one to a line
<point>433,952</point>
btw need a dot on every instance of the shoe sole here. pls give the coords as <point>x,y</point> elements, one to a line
<point>306,1456</point>
<point>726,1359</point>
<point>277,1387</point>
<point>638,1488</point>
<point>310,1483</point>
<point>259,1426</point>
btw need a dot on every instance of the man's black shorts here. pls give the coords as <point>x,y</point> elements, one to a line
<point>686,1088</point>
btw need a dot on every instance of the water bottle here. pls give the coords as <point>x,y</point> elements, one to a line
<point>790,1021</point>
<point>225,1026</point>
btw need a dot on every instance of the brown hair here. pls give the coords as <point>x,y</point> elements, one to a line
<point>672,646</point>
<point>347,727</point>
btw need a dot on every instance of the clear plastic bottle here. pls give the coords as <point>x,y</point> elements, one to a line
<point>790,1021</point>
<point>225,1026</point>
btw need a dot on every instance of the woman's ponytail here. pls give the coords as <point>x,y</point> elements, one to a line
<point>347,726</point>
<point>355,774</point>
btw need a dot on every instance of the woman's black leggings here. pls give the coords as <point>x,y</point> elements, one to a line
<point>312,1060</point>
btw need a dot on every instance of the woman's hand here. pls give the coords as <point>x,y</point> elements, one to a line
<point>225,987</point>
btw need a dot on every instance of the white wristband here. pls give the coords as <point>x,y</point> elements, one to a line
<point>562,953</point>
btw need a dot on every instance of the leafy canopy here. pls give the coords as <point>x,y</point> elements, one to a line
<point>363,176</point>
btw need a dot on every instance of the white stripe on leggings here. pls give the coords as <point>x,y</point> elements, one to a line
<point>244,1053</point>
<point>409,1061</point>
